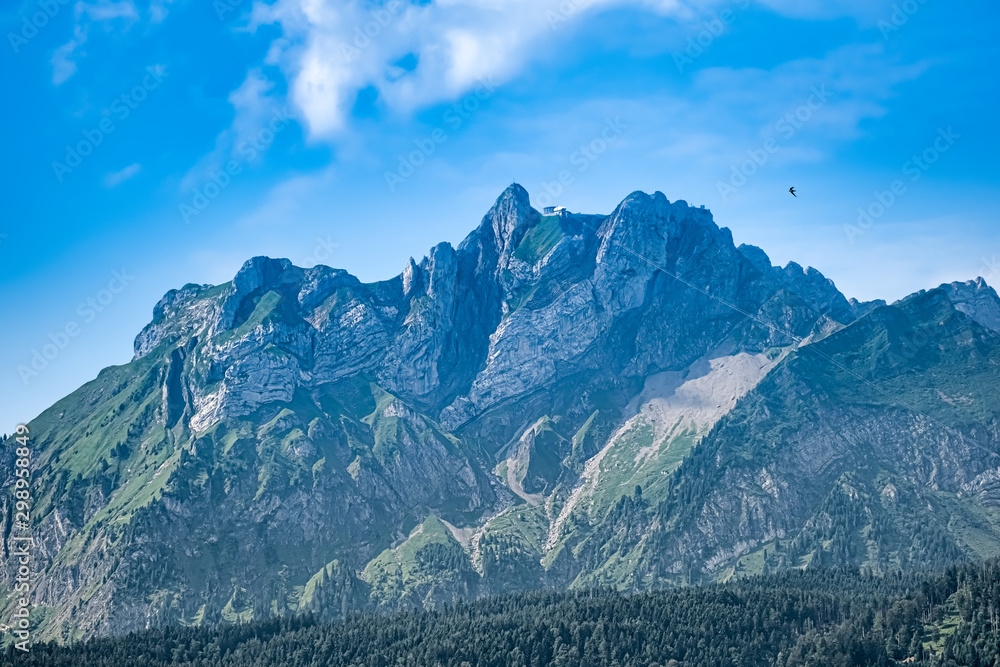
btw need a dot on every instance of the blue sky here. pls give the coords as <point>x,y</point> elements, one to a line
<point>152,143</point>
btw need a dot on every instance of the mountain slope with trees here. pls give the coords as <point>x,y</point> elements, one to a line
<point>829,617</point>
<point>569,402</point>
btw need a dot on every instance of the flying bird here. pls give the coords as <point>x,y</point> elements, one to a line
<point>792,190</point>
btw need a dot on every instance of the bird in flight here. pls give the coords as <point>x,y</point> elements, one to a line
<point>792,190</point>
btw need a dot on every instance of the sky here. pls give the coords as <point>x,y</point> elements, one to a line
<point>154,143</point>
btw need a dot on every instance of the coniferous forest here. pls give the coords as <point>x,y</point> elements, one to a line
<point>818,618</point>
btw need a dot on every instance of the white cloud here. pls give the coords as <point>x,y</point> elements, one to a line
<point>253,104</point>
<point>117,178</point>
<point>107,10</point>
<point>867,11</point>
<point>158,10</point>
<point>63,60</point>
<point>109,14</point>
<point>332,49</point>
<point>856,81</point>
<point>255,108</point>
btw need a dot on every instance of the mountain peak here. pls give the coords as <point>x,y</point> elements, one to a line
<point>646,219</point>
<point>501,371</point>
<point>757,258</point>
<point>976,299</point>
<point>256,276</point>
<point>514,192</point>
<point>509,219</point>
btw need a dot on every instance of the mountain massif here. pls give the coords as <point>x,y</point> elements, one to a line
<point>562,401</point>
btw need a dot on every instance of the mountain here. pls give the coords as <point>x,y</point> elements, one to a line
<point>561,401</point>
<point>789,619</point>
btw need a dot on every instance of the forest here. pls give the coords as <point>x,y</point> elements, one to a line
<point>830,618</point>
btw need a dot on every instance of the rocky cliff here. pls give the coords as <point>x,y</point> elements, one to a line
<point>572,400</point>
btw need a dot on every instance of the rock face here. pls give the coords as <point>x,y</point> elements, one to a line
<point>977,300</point>
<point>571,400</point>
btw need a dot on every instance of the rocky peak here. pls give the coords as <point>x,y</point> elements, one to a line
<point>265,272</point>
<point>411,278</point>
<point>442,269</point>
<point>860,308</point>
<point>179,314</point>
<point>644,225</point>
<point>321,281</point>
<point>508,220</point>
<point>977,300</point>
<point>757,258</point>
<point>808,283</point>
<point>256,276</point>
<point>175,296</point>
<point>651,211</point>
<point>818,291</point>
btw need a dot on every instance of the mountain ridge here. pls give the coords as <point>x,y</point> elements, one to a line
<point>558,401</point>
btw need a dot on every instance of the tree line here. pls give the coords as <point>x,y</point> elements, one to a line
<point>825,618</point>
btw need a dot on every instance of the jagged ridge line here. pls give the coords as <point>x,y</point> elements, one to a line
<point>794,337</point>
<point>774,328</point>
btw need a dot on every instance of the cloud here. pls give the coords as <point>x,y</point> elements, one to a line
<point>333,49</point>
<point>857,81</point>
<point>63,62</point>
<point>867,11</point>
<point>683,141</point>
<point>158,10</point>
<point>255,107</point>
<point>108,14</point>
<point>722,112</point>
<point>253,103</point>
<point>117,178</point>
<point>107,10</point>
